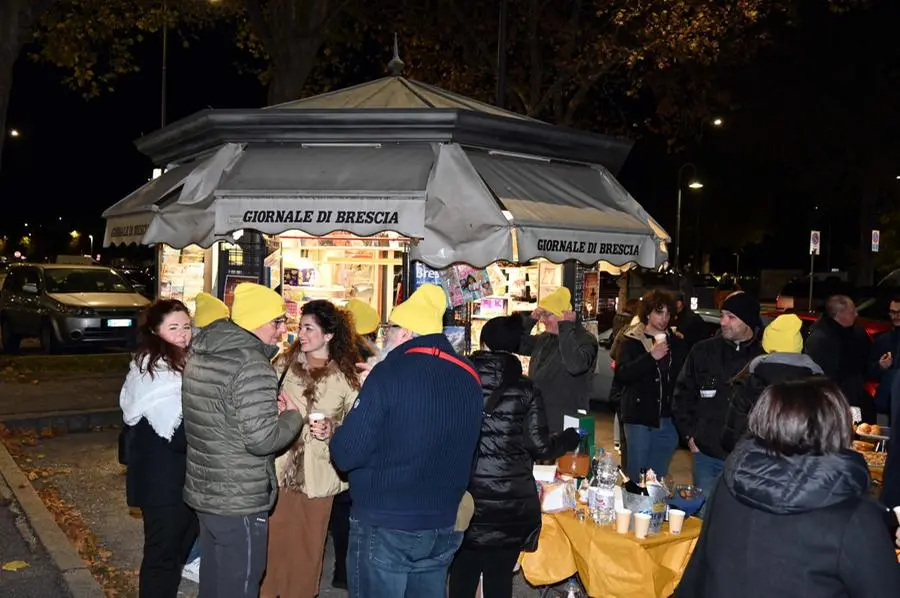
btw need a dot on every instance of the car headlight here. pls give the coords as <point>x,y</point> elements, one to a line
<point>74,310</point>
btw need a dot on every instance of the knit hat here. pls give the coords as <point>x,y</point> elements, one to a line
<point>782,335</point>
<point>365,318</point>
<point>745,307</point>
<point>557,302</point>
<point>208,310</point>
<point>254,305</point>
<point>503,333</point>
<point>423,312</point>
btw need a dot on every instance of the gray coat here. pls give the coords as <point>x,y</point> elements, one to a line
<point>561,368</point>
<point>231,422</point>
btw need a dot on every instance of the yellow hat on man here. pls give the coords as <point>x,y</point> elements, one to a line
<point>255,305</point>
<point>782,335</point>
<point>557,302</point>
<point>423,312</point>
<point>365,318</point>
<point>208,310</point>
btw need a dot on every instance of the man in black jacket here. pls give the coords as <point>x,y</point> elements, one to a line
<point>784,360</point>
<point>648,363</point>
<point>842,349</point>
<point>686,323</point>
<point>884,360</point>
<point>701,392</point>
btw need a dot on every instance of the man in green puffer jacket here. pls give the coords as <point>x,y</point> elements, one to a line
<point>233,429</point>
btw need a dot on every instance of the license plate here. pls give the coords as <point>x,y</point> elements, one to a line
<point>118,323</point>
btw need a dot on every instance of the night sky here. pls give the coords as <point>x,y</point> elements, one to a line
<point>74,157</point>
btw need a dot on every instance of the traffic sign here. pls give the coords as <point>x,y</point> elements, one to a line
<point>815,240</point>
<point>876,240</point>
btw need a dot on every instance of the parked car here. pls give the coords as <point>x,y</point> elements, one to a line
<point>67,305</point>
<point>604,373</point>
<point>794,296</point>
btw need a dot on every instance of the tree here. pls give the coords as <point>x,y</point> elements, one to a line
<point>17,19</point>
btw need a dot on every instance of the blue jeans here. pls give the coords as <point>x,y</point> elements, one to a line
<point>707,471</point>
<point>650,448</point>
<point>391,563</point>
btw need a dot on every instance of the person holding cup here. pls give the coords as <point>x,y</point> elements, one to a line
<point>321,381</point>
<point>648,364</point>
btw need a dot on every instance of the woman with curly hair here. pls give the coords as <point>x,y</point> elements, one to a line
<point>321,381</point>
<point>156,445</point>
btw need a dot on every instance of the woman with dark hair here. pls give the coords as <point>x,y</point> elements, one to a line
<point>321,382</point>
<point>791,514</point>
<point>649,361</point>
<point>157,449</point>
<point>514,434</point>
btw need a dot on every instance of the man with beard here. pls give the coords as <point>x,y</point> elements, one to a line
<point>701,392</point>
<point>562,358</point>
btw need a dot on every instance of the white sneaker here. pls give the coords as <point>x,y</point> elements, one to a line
<point>191,571</point>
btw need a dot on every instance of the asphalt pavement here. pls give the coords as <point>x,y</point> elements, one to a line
<point>40,578</point>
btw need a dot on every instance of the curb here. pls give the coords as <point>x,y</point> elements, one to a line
<point>74,571</point>
<point>67,421</point>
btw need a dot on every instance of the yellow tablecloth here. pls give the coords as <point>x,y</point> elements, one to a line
<point>609,564</point>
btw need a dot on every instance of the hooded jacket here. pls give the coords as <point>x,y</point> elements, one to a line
<point>712,363</point>
<point>562,368</point>
<point>513,435</point>
<point>792,527</point>
<point>644,385</point>
<point>749,384</point>
<point>231,422</point>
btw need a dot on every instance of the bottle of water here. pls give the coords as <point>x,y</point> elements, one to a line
<point>601,494</point>
<point>573,589</point>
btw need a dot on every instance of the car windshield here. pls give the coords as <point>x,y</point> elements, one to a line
<point>83,280</point>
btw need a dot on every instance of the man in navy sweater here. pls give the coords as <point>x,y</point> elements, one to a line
<point>407,446</point>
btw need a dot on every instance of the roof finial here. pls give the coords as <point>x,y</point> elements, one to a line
<point>395,66</point>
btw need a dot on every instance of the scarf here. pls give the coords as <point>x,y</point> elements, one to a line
<point>156,398</point>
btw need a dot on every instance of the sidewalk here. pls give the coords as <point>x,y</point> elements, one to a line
<point>92,481</point>
<point>40,579</point>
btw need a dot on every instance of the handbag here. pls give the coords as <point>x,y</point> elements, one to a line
<point>126,437</point>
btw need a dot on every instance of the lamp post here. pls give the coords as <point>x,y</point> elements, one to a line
<point>737,265</point>
<point>165,63</point>
<point>694,184</point>
<point>91,239</point>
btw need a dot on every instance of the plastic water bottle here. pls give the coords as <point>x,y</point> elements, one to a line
<point>573,589</point>
<point>601,493</point>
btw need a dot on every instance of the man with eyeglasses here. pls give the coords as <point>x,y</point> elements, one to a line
<point>234,430</point>
<point>884,360</point>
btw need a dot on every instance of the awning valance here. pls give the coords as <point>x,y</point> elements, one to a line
<point>564,211</point>
<point>128,219</point>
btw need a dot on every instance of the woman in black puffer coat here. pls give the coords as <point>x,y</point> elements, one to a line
<point>514,435</point>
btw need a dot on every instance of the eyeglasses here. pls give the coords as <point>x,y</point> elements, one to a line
<point>894,312</point>
<point>278,322</point>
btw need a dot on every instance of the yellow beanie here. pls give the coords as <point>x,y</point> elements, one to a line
<point>782,335</point>
<point>557,302</point>
<point>423,312</point>
<point>254,305</point>
<point>208,310</point>
<point>365,318</point>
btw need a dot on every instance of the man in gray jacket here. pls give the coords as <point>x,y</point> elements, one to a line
<point>562,358</point>
<point>233,429</point>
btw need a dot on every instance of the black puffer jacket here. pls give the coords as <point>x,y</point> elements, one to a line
<point>644,385</point>
<point>749,384</point>
<point>792,527</point>
<point>513,436</point>
<point>714,362</point>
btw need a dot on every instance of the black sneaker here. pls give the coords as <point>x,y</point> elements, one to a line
<point>339,583</point>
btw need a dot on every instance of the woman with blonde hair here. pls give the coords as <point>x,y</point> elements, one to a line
<point>321,382</point>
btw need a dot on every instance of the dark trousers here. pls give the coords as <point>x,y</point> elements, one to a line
<point>169,532</point>
<point>233,552</point>
<point>339,526</point>
<point>496,567</point>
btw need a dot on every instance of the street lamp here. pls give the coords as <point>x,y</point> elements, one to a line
<point>13,132</point>
<point>718,122</point>
<point>737,265</point>
<point>91,239</point>
<point>694,184</point>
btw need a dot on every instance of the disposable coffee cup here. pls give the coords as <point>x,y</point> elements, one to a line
<point>660,338</point>
<point>897,513</point>
<point>623,520</point>
<point>641,525</point>
<point>316,417</point>
<point>676,521</point>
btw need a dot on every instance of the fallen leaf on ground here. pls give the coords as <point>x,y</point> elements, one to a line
<point>15,565</point>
